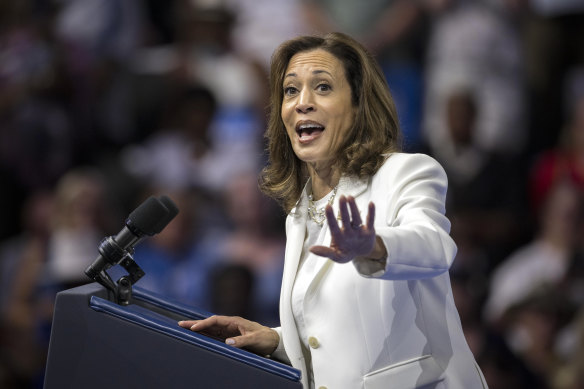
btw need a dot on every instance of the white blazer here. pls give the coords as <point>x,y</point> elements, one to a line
<point>394,328</point>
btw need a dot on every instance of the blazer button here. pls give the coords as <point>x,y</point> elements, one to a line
<point>313,342</point>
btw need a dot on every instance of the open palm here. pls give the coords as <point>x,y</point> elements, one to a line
<point>352,239</point>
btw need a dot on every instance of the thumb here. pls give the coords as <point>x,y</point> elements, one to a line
<point>322,251</point>
<point>239,341</point>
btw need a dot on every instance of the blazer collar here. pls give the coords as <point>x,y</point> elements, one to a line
<point>348,186</point>
<point>352,186</point>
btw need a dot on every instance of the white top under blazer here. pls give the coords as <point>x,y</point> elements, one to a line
<point>373,328</point>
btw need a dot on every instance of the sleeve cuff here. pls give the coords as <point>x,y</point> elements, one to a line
<point>280,352</point>
<point>368,267</point>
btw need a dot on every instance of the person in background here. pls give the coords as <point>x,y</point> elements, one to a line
<point>23,347</point>
<point>546,259</point>
<point>255,239</point>
<point>486,199</point>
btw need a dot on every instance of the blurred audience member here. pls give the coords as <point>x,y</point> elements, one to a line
<point>179,154</point>
<point>552,42</point>
<point>503,369</point>
<point>544,260</point>
<point>61,236</point>
<point>23,344</point>
<point>564,162</point>
<point>203,54</point>
<point>530,299</point>
<point>261,25</point>
<point>35,130</point>
<point>474,44</point>
<point>255,240</point>
<point>531,328</point>
<point>98,39</point>
<point>393,29</point>
<point>397,32</point>
<point>83,216</point>
<point>485,199</point>
<point>231,290</point>
<point>23,255</point>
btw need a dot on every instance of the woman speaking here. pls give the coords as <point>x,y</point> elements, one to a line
<point>366,300</point>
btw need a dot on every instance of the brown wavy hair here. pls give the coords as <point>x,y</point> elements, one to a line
<point>375,132</point>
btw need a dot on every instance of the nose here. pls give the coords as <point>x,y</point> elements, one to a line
<point>305,103</point>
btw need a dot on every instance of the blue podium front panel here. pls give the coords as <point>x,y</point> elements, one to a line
<point>96,343</point>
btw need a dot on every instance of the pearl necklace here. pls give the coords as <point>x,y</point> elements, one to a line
<point>318,215</point>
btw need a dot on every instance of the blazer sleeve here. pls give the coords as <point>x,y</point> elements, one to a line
<point>410,190</point>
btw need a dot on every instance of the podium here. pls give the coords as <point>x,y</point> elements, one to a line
<point>96,343</point>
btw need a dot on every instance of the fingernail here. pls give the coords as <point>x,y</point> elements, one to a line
<point>193,326</point>
<point>230,341</point>
<point>180,322</point>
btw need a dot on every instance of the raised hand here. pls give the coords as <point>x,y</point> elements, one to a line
<point>236,331</point>
<point>352,239</point>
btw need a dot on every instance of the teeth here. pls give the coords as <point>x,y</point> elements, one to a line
<point>307,126</point>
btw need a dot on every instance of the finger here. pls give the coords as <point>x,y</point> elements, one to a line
<point>325,251</point>
<point>332,221</point>
<point>187,323</point>
<point>212,321</point>
<point>356,217</point>
<point>201,325</point>
<point>371,216</point>
<point>346,219</point>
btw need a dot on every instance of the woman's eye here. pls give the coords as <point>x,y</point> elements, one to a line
<point>323,87</point>
<point>290,90</point>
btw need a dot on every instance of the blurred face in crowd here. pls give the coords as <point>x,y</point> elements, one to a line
<point>317,110</point>
<point>562,218</point>
<point>461,115</point>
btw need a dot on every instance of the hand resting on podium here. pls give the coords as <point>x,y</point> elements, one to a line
<point>236,331</point>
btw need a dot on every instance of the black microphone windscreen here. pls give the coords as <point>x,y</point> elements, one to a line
<point>172,212</point>
<point>146,219</point>
<point>170,205</point>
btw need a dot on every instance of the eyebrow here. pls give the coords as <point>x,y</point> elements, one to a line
<point>313,72</point>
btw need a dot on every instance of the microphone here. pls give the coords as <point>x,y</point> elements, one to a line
<point>148,219</point>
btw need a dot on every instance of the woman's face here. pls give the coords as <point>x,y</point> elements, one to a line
<point>317,110</point>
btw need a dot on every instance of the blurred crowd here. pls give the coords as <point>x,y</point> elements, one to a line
<point>106,102</point>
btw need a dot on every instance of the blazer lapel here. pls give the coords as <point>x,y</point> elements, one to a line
<point>295,235</point>
<point>296,231</point>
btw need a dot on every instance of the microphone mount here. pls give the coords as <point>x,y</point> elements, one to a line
<point>113,253</point>
<point>147,220</point>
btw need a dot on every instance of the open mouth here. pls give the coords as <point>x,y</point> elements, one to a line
<point>308,130</point>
